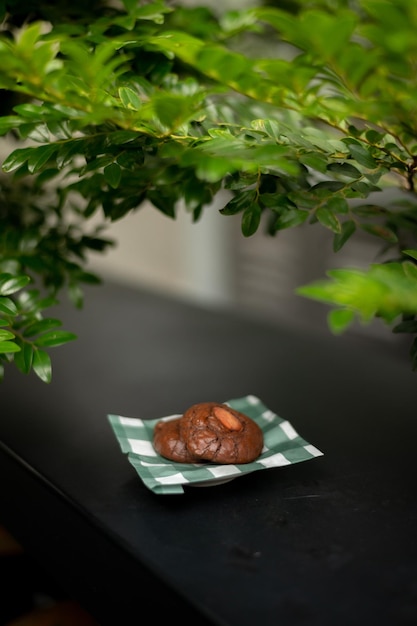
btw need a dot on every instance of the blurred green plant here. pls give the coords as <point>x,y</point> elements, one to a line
<point>149,101</point>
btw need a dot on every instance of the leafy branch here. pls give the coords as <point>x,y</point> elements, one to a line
<point>25,333</point>
<point>165,104</point>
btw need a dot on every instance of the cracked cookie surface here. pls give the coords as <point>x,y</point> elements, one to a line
<point>209,432</point>
<point>215,432</point>
<point>168,443</point>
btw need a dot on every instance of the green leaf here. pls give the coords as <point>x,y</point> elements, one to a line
<point>129,4</point>
<point>24,359</point>
<point>339,240</point>
<point>113,175</point>
<point>329,185</point>
<point>121,137</point>
<point>384,291</point>
<point>212,169</point>
<point>76,295</point>
<point>40,326</point>
<point>54,338</point>
<point>173,109</point>
<point>328,219</point>
<point>361,155</point>
<point>7,347</point>
<point>363,189</point>
<point>340,319</point>
<point>32,303</point>
<point>337,205</point>
<point>268,126</point>
<point>10,284</point>
<point>316,161</point>
<point>130,99</point>
<point>150,11</point>
<point>9,122</point>
<point>290,218</point>
<point>411,253</point>
<point>239,203</point>
<point>68,150</point>
<point>16,159</point>
<point>380,231</point>
<point>410,269</point>
<point>96,164</point>
<point>374,136</point>
<point>29,36</point>
<point>368,210</point>
<point>5,335</point>
<point>7,306</point>
<point>42,365</point>
<point>344,169</point>
<point>251,219</point>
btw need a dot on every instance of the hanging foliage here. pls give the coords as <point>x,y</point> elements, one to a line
<point>109,107</point>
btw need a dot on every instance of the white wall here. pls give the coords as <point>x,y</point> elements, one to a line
<point>192,260</point>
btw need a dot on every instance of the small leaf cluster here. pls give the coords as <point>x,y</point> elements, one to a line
<point>42,252</point>
<point>25,333</point>
<point>387,291</point>
<point>304,113</point>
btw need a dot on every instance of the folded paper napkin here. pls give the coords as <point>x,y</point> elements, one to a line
<point>282,446</point>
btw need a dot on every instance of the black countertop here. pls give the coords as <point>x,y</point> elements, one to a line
<point>328,541</point>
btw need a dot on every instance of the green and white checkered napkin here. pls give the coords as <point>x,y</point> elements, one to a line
<point>282,446</point>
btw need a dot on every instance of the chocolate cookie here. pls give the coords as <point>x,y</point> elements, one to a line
<point>168,443</point>
<point>215,432</point>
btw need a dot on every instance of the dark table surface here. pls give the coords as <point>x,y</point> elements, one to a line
<point>324,542</point>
